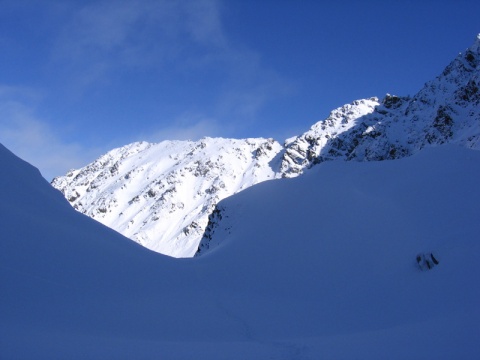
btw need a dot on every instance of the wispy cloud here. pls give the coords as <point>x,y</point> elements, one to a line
<point>257,88</point>
<point>97,42</point>
<point>108,38</point>
<point>32,139</point>
<point>204,22</point>
<point>187,126</point>
<point>105,36</point>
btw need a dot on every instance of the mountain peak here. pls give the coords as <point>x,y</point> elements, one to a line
<point>475,48</point>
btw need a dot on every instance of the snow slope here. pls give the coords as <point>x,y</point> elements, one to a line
<point>160,195</point>
<point>319,266</point>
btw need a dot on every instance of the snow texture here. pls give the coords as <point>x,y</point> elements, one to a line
<point>319,266</point>
<point>323,265</point>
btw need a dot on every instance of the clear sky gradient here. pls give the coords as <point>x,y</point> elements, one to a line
<point>78,78</point>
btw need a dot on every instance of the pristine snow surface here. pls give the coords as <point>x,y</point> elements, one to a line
<point>318,266</point>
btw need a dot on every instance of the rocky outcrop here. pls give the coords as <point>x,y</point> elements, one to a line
<point>444,110</point>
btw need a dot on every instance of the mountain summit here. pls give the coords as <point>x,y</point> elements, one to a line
<point>445,110</point>
<point>161,195</point>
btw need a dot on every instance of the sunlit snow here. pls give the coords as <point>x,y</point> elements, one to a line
<point>160,195</point>
<point>361,259</point>
<point>320,266</point>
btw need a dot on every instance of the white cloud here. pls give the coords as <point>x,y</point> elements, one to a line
<point>246,100</point>
<point>106,36</point>
<point>204,22</point>
<point>33,140</point>
<point>102,39</point>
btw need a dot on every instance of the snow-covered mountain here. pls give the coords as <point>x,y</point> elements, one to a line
<point>337,280</point>
<point>445,110</point>
<point>161,195</point>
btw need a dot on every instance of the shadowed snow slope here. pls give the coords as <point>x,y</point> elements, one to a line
<point>320,266</point>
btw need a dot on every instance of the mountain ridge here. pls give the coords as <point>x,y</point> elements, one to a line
<point>397,126</point>
<point>322,265</point>
<point>160,195</point>
<point>445,110</point>
<point>280,283</point>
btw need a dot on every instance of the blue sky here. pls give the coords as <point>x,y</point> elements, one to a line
<point>78,78</point>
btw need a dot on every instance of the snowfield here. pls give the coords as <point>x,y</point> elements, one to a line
<point>318,266</point>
